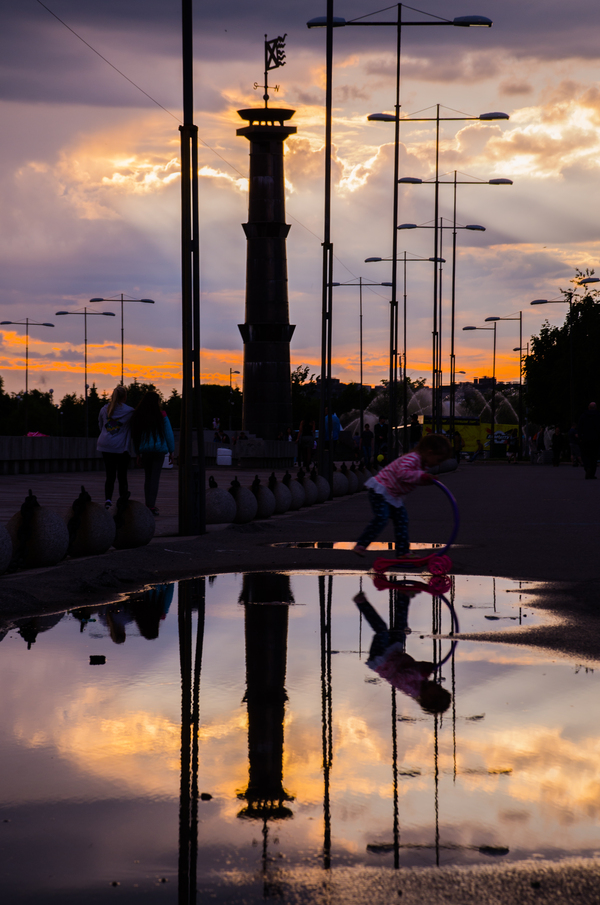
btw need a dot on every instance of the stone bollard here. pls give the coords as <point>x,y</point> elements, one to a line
<point>350,477</point>
<point>245,501</point>
<point>340,484</point>
<point>283,496</point>
<point>6,549</point>
<point>264,499</point>
<point>296,489</point>
<point>91,528</point>
<point>322,484</point>
<point>360,478</point>
<point>135,524</point>
<point>220,505</point>
<point>309,487</point>
<point>39,535</point>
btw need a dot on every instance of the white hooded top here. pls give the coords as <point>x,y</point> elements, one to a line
<point>114,431</point>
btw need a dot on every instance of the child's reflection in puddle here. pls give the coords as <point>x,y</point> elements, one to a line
<point>388,657</point>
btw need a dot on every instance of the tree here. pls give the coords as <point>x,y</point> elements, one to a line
<point>305,396</point>
<point>561,370</point>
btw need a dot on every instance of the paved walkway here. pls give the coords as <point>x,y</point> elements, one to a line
<point>524,522</point>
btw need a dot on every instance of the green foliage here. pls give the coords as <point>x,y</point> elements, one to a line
<point>561,354</point>
<point>305,396</point>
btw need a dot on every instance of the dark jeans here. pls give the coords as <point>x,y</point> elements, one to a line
<point>152,463</point>
<point>116,465</point>
<point>382,511</point>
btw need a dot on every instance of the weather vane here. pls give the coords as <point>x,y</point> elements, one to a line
<point>274,58</point>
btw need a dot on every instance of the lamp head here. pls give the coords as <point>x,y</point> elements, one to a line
<point>476,227</point>
<point>321,22</point>
<point>539,302</point>
<point>587,280</point>
<point>486,117</point>
<point>407,226</point>
<point>469,328</point>
<point>5,322</point>
<point>47,325</point>
<point>410,180</point>
<point>97,300</point>
<point>147,301</point>
<point>493,319</point>
<point>387,284</point>
<point>381,118</point>
<point>372,260</point>
<point>61,312</point>
<point>437,260</point>
<point>500,182</point>
<point>472,21</point>
<point>106,313</point>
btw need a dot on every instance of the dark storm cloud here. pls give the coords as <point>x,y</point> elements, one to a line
<point>42,61</point>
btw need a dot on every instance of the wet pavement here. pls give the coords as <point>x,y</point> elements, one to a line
<point>404,755</point>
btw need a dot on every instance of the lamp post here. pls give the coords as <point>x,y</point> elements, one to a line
<point>436,377</point>
<point>85,316</point>
<point>411,180</point>
<point>437,119</point>
<point>231,372</point>
<point>360,284</point>
<point>330,22</point>
<point>394,345</point>
<point>122,300</point>
<point>493,406</point>
<point>520,319</point>
<point>27,324</point>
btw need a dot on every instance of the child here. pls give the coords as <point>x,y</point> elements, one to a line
<point>388,657</point>
<point>400,477</point>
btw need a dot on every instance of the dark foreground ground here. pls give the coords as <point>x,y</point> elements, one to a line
<point>522,522</point>
<point>539,524</point>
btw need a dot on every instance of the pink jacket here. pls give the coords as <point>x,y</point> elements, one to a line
<point>402,475</point>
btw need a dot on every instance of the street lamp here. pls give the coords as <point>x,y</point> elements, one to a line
<point>411,180</point>
<point>85,316</point>
<point>397,119</point>
<point>27,324</point>
<point>394,347</point>
<point>520,319</point>
<point>122,299</point>
<point>330,22</point>
<point>231,372</point>
<point>493,406</point>
<point>360,285</point>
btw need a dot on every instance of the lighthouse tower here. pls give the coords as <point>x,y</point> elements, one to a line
<point>267,332</point>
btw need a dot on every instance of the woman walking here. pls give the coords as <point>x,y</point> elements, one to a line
<point>113,443</point>
<point>152,438</point>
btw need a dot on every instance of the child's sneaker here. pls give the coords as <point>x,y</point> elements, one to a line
<point>359,550</point>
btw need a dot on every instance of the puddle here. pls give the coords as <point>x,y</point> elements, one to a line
<point>305,756</point>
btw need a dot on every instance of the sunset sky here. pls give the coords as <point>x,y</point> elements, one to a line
<point>90,177</point>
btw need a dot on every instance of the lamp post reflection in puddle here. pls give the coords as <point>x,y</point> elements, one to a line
<point>266,597</point>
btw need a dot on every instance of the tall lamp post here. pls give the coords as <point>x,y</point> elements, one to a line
<point>121,298</point>
<point>330,22</point>
<point>437,119</point>
<point>360,285</point>
<point>27,324</point>
<point>520,319</point>
<point>85,316</point>
<point>411,180</point>
<point>394,348</point>
<point>231,372</point>
<point>493,406</point>
<point>436,375</point>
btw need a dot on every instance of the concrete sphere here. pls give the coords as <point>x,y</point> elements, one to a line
<point>340,484</point>
<point>298,495</point>
<point>95,533</point>
<point>360,478</point>
<point>220,506</point>
<point>310,489</point>
<point>352,481</point>
<point>323,489</point>
<point>137,528</point>
<point>6,549</point>
<point>47,541</point>
<point>283,498</point>
<point>266,503</point>
<point>246,504</point>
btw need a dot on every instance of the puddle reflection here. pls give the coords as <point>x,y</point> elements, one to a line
<point>245,724</point>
